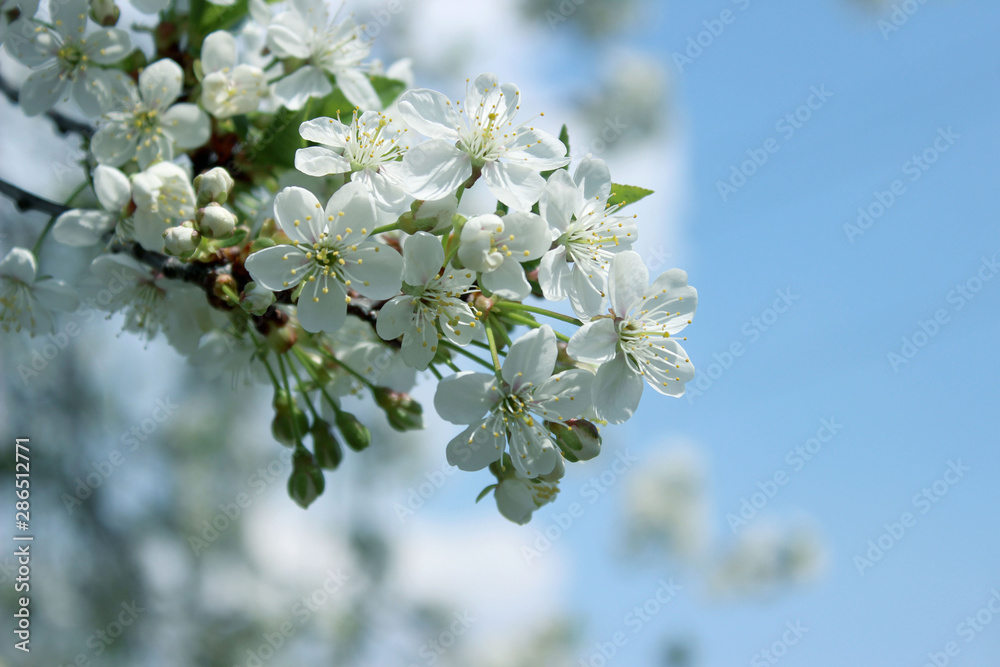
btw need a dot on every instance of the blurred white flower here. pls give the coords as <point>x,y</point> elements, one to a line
<point>228,89</point>
<point>26,303</point>
<point>767,556</point>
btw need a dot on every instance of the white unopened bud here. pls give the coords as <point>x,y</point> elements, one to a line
<point>104,12</point>
<point>216,222</point>
<point>256,299</point>
<point>214,185</point>
<point>180,240</point>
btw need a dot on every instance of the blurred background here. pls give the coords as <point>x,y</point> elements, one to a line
<point>825,493</point>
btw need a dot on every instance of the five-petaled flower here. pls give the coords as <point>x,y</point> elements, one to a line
<point>330,253</point>
<point>634,342</point>
<point>516,406</point>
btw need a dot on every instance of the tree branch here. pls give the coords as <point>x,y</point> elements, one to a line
<point>26,201</point>
<point>64,124</point>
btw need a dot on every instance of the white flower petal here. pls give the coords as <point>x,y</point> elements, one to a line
<point>627,282</point>
<point>319,310</point>
<point>617,390</point>
<point>107,45</point>
<point>564,396</point>
<point>285,35</point>
<point>160,83</point>
<point>530,359</point>
<point>375,270</point>
<point>430,113</point>
<point>517,186</point>
<point>20,265</point>
<point>525,235</point>
<point>82,227</point>
<point>350,213</point>
<point>320,161</point>
<point>507,281</point>
<point>56,295</point>
<point>465,397</point>
<point>538,150</point>
<point>420,344</point>
<point>358,89</point>
<point>671,301</point>
<point>423,257</point>
<point>327,131</point>
<point>295,89</point>
<point>594,178</point>
<point>270,269</point>
<point>218,52</point>
<point>42,90</point>
<point>299,214</point>
<point>477,446</point>
<point>515,501</point>
<point>595,342</point>
<point>395,318</point>
<point>560,200</point>
<point>434,170</point>
<point>555,274</point>
<point>112,188</point>
<point>531,449</point>
<point>187,125</point>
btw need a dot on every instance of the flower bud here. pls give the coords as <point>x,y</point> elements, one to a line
<point>223,283</point>
<point>356,434</point>
<point>306,482</point>
<point>403,413</point>
<point>329,453</point>
<point>214,185</point>
<point>180,240</point>
<point>256,299</point>
<point>290,423</point>
<point>215,222</point>
<point>579,439</point>
<point>104,12</point>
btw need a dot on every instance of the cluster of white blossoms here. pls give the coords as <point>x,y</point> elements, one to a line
<point>276,205</point>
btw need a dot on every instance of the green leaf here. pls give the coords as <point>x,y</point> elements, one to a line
<point>623,195</point>
<point>484,492</point>
<point>207,17</point>
<point>388,89</point>
<point>236,239</point>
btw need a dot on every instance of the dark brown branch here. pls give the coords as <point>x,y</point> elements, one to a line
<point>26,201</point>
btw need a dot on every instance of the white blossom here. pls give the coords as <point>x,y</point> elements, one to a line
<point>67,60</point>
<point>481,136</point>
<point>26,304</point>
<point>81,227</point>
<point>586,233</point>
<point>369,149</point>
<point>429,300</point>
<point>497,246</point>
<point>229,89</point>
<point>147,125</point>
<point>331,251</point>
<point>307,31</point>
<point>515,406</point>
<point>164,198</point>
<point>634,342</point>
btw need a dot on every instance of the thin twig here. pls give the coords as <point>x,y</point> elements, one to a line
<point>26,201</point>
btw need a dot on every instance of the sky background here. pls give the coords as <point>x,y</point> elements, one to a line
<point>854,298</point>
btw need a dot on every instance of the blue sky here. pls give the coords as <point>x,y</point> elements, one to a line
<point>827,356</point>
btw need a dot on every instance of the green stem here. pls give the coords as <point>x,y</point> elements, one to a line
<point>291,397</point>
<point>433,369</point>
<point>305,395</point>
<point>307,364</point>
<point>457,348</point>
<point>493,350</point>
<point>527,321</point>
<point>484,346</point>
<point>37,248</point>
<point>513,305</point>
<point>391,227</point>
